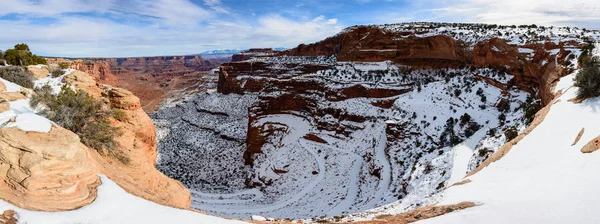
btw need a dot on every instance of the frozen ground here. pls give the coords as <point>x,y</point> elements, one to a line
<point>357,158</point>
<point>115,205</point>
<point>202,143</point>
<point>543,179</point>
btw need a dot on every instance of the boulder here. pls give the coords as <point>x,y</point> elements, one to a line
<point>12,96</point>
<point>83,82</point>
<point>39,71</point>
<point>46,171</point>
<point>122,99</point>
<point>591,146</point>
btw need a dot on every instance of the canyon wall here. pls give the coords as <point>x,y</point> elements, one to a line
<point>372,44</point>
<point>152,79</point>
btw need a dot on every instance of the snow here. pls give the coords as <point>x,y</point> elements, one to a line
<point>10,86</point>
<point>31,122</point>
<point>26,119</point>
<point>462,155</point>
<point>55,83</point>
<point>543,179</point>
<point>115,205</point>
<point>258,218</point>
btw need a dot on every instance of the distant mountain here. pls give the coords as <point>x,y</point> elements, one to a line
<point>224,55</point>
<point>221,52</point>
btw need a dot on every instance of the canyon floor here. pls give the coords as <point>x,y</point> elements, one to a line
<point>377,128</point>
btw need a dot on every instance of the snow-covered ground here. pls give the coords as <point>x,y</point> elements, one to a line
<point>543,179</point>
<point>355,158</point>
<point>115,205</point>
<point>473,33</point>
<point>355,169</point>
<point>25,117</point>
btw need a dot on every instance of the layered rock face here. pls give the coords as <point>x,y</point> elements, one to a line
<point>372,116</point>
<point>99,70</point>
<point>46,171</point>
<point>152,79</point>
<point>429,48</point>
<point>54,171</point>
<point>138,143</point>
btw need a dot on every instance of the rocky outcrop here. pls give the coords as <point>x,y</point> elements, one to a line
<point>591,146</point>
<point>39,71</point>
<point>371,44</point>
<point>99,70</point>
<point>132,166</point>
<point>82,81</point>
<point>53,171</point>
<point>153,79</point>
<point>46,171</point>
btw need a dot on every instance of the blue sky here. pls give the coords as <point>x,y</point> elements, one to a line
<point>119,28</point>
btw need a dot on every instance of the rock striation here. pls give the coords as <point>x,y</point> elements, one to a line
<point>152,79</point>
<point>46,171</point>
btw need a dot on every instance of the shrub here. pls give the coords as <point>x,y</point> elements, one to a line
<point>57,73</point>
<point>63,65</point>
<point>80,113</point>
<point>588,79</point>
<point>510,133</point>
<point>21,55</point>
<point>18,75</point>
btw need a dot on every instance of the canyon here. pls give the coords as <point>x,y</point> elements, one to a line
<point>152,79</point>
<point>374,120</point>
<point>395,123</point>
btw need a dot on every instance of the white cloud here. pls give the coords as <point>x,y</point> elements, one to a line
<point>543,12</point>
<point>176,27</point>
<point>217,6</point>
<point>53,7</point>
<point>289,31</point>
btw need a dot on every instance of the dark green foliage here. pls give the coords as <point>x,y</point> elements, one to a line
<point>119,115</point>
<point>440,186</point>
<point>457,92</point>
<point>502,117</point>
<point>588,79</point>
<point>18,75</point>
<point>57,73</point>
<point>464,119</point>
<point>586,53</point>
<point>21,55</point>
<point>531,106</point>
<point>80,113</point>
<point>510,133</point>
<point>63,65</point>
<point>472,127</point>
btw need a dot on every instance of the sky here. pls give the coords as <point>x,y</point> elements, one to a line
<point>130,28</point>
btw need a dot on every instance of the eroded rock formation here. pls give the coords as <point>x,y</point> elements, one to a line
<point>46,171</point>
<point>152,79</point>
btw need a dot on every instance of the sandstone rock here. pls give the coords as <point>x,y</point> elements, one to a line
<point>46,171</point>
<point>578,136</point>
<point>12,96</point>
<point>8,217</point>
<point>591,146</point>
<point>421,213</point>
<point>122,99</point>
<point>99,70</point>
<point>39,72</point>
<point>82,81</point>
<point>4,106</point>
<point>2,87</point>
<point>137,142</point>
